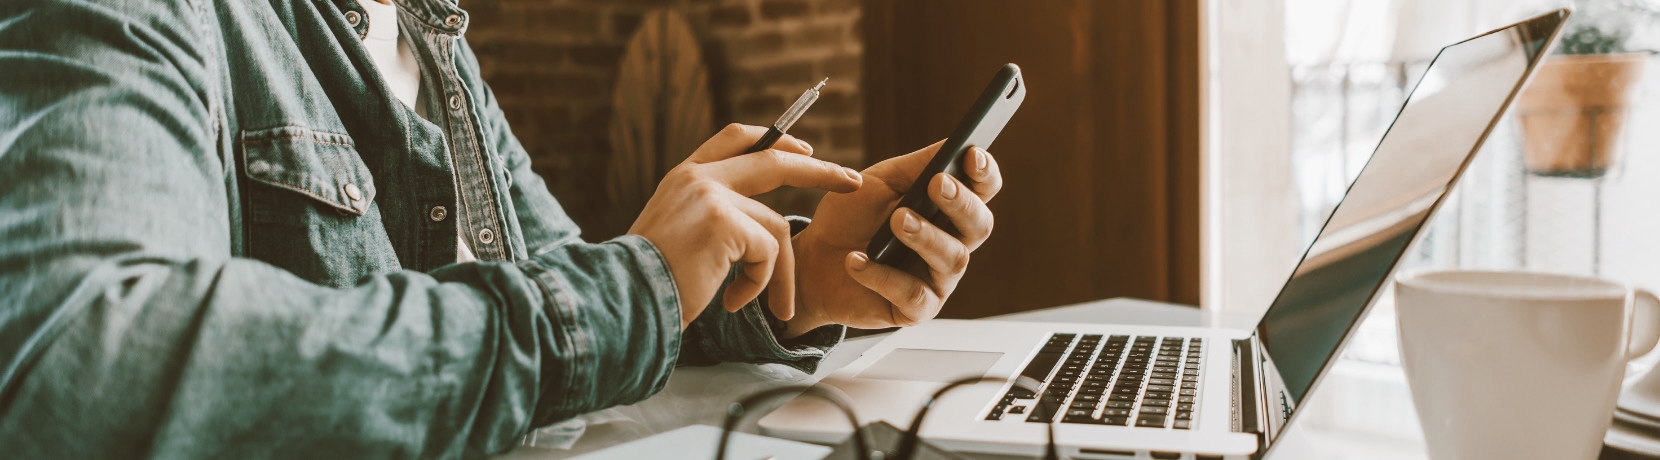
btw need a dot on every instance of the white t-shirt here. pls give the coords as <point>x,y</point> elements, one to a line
<point>401,72</point>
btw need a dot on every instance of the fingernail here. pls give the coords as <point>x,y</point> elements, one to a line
<point>860,261</point>
<point>851,174</point>
<point>911,223</point>
<point>948,188</point>
<point>980,161</point>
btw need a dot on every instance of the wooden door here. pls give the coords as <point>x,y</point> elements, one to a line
<point>1101,164</point>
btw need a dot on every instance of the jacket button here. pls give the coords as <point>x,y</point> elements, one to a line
<point>486,236</point>
<point>455,102</point>
<point>438,213</point>
<point>353,193</point>
<point>352,17</point>
<point>453,20</point>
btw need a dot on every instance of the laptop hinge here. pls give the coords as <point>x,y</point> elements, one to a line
<point>1249,393</point>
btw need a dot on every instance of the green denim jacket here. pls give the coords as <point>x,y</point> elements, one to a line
<point>222,237</point>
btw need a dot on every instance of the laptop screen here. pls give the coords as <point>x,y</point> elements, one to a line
<point>1440,127</point>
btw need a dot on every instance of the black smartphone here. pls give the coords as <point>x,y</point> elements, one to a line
<point>997,103</point>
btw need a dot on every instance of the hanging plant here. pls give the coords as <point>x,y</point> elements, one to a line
<point>1574,111</point>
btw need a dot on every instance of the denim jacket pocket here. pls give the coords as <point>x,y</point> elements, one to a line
<point>310,206</point>
<point>320,165</point>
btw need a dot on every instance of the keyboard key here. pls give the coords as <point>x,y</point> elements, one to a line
<point>1155,402</point>
<point>1120,421</point>
<point>1021,393</point>
<point>1181,415</point>
<point>1072,419</point>
<point>1017,410</point>
<point>1163,375</point>
<point>1190,385</point>
<point>1084,404</point>
<point>1164,388</point>
<point>1184,407</point>
<point>1183,425</point>
<point>1119,404</point>
<point>1185,399</point>
<point>1157,395</point>
<point>1155,410</point>
<point>1079,413</point>
<point>1040,366</point>
<point>1087,398</point>
<point>1115,412</point>
<point>1189,392</point>
<point>1161,381</point>
<point>1153,421</point>
<point>1122,397</point>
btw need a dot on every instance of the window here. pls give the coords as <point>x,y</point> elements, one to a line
<point>1347,65</point>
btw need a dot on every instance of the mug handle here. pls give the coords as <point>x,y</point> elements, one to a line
<point>1645,323</point>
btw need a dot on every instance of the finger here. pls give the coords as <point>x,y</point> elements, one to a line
<point>983,172</point>
<point>945,255</point>
<point>781,290</point>
<point>967,212</point>
<point>731,141</point>
<point>791,144</point>
<point>898,172</point>
<point>913,301</point>
<point>764,171</point>
<point>760,250</point>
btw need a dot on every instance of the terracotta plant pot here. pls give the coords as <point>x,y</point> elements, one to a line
<point>1573,112</point>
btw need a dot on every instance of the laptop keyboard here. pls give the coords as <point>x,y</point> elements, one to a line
<point>1148,382</point>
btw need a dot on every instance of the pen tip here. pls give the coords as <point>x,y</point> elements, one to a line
<point>821,83</point>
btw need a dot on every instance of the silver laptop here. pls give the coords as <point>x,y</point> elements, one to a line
<point>1187,392</point>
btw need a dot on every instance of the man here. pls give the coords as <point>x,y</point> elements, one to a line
<point>237,229</point>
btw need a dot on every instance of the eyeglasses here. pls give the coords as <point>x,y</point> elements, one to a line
<point>864,447</point>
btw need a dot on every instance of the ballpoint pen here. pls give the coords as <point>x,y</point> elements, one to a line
<point>788,118</point>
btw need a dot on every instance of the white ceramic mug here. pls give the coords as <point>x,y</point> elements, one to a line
<point>1518,365</point>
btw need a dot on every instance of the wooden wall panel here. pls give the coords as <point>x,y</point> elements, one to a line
<point>1101,163</point>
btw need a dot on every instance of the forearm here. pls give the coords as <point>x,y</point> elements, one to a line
<point>224,357</point>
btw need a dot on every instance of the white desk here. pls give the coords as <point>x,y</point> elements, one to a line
<point>699,395</point>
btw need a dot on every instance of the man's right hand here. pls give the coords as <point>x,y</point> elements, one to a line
<point>702,219</point>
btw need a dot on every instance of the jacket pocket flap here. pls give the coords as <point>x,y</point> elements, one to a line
<point>321,165</point>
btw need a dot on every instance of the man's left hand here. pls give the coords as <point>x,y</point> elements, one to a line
<point>838,283</point>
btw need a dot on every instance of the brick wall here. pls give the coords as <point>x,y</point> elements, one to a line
<point>552,63</point>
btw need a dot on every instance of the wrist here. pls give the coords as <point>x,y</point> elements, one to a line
<point>800,325</point>
<point>808,316</point>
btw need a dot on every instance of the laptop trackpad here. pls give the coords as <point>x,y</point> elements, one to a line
<point>930,365</point>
